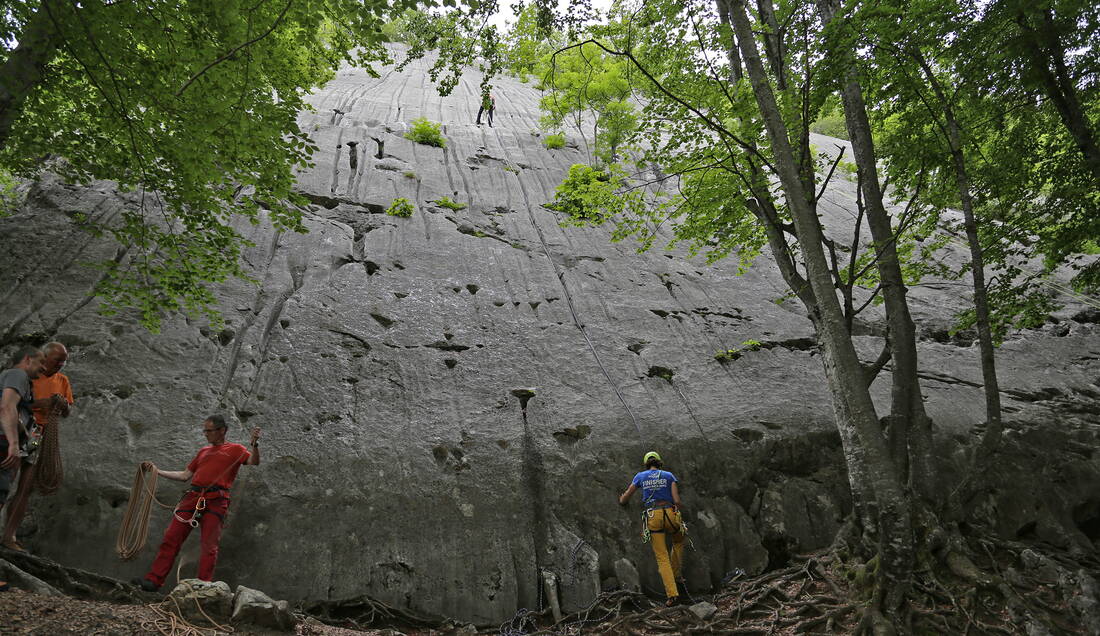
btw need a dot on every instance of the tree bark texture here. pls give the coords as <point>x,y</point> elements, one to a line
<point>26,66</point>
<point>736,72</point>
<point>977,267</point>
<point>856,418</point>
<point>910,427</point>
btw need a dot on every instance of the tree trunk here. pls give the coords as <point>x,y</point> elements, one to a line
<point>977,269</point>
<point>910,428</point>
<point>1047,59</point>
<point>25,67</point>
<point>773,43</point>
<point>736,73</point>
<point>854,409</point>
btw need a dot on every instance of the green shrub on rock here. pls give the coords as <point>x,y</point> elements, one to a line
<point>401,207</point>
<point>426,132</point>
<point>446,202</point>
<point>555,141</point>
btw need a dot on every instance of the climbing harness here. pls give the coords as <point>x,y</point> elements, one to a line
<point>647,514</point>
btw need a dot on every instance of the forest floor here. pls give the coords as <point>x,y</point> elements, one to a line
<point>1008,588</point>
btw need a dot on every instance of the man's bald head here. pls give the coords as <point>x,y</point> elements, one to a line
<point>56,357</point>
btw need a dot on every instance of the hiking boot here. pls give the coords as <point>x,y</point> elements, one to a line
<point>682,587</point>
<point>14,546</point>
<point>145,584</point>
<point>672,601</point>
<point>4,586</point>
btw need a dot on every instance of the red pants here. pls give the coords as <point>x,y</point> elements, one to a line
<point>210,523</point>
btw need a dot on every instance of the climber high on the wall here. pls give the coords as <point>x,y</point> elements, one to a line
<point>488,103</point>
<point>205,505</point>
<point>661,518</point>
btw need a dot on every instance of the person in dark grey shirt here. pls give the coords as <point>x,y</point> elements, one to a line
<point>16,415</point>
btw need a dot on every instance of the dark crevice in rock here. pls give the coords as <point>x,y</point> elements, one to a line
<point>570,435</point>
<point>1041,395</point>
<point>636,348</point>
<point>1087,518</point>
<point>450,362</point>
<point>660,372</point>
<point>383,320</point>
<point>443,345</point>
<point>331,203</point>
<point>942,335</point>
<point>705,311</point>
<point>1087,316</point>
<point>747,435</point>
<point>371,267</point>
<point>358,339</point>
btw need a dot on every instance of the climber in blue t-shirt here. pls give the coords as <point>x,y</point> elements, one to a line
<point>661,498</point>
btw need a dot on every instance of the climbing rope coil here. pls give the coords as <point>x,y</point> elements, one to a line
<point>49,472</point>
<point>135,521</point>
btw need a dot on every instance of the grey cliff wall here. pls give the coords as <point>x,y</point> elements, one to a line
<point>386,358</point>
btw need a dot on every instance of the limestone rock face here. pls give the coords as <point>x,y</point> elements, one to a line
<point>202,600</point>
<point>452,402</point>
<point>253,606</point>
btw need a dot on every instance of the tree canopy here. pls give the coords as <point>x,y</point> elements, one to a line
<point>192,107</point>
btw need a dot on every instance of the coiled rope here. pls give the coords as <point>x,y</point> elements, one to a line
<point>49,473</point>
<point>135,521</point>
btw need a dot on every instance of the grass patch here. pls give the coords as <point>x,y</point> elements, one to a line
<point>446,202</point>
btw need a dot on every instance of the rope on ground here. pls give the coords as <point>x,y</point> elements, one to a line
<point>49,472</point>
<point>135,521</point>
<point>171,623</point>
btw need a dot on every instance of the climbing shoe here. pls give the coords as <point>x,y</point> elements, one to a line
<point>14,546</point>
<point>4,586</point>
<point>682,587</point>
<point>672,600</point>
<point>145,584</point>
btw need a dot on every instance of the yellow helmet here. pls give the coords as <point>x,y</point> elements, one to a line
<point>650,455</point>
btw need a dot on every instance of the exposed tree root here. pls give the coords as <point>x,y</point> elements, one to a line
<point>363,611</point>
<point>981,585</point>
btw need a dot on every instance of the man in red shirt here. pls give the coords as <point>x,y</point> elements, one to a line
<point>212,473</point>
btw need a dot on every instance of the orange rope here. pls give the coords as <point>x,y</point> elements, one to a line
<point>49,473</point>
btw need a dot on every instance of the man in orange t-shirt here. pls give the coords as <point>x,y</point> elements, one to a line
<point>212,473</point>
<point>52,394</point>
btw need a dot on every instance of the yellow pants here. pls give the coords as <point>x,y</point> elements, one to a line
<point>665,525</point>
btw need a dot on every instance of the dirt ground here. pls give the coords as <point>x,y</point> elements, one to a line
<point>26,613</point>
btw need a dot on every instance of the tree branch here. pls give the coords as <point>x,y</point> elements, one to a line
<point>235,49</point>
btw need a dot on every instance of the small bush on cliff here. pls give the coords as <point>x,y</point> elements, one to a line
<point>729,355</point>
<point>587,195</point>
<point>401,207</point>
<point>446,202</point>
<point>555,141</point>
<point>426,132</point>
<point>10,197</point>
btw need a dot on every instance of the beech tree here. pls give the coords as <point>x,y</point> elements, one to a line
<point>730,90</point>
<point>192,107</point>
